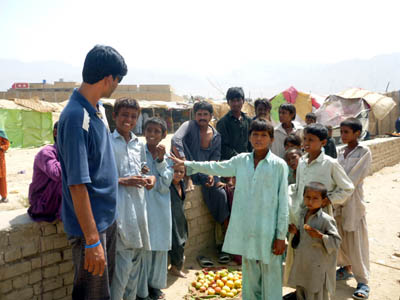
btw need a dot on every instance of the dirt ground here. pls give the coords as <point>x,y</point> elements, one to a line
<point>382,191</point>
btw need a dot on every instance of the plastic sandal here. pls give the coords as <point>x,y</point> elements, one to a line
<point>363,290</point>
<point>204,262</point>
<point>342,274</point>
<point>224,258</point>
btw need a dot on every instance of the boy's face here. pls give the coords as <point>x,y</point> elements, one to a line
<point>262,112</point>
<point>348,135</point>
<point>202,117</point>
<point>260,140</point>
<point>292,159</point>
<point>330,131</point>
<point>126,119</point>
<point>312,143</point>
<point>285,116</point>
<point>236,105</point>
<point>290,145</point>
<point>153,134</point>
<point>179,173</point>
<point>310,121</point>
<point>313,199</point>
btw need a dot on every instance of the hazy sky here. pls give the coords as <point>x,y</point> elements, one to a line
<point>199,37</point>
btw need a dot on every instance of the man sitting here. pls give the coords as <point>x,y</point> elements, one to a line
<point>45,189</point>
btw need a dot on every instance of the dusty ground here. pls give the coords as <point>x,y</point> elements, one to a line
<point>382,191</point>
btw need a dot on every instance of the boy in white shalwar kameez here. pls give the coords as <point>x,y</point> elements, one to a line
<point>354,252</point>
<point>316,241</point>
<point>316,166</point>
<point>158,208</point>
<point>132,227</point>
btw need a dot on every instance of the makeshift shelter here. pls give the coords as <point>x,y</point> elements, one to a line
<point>28,123</point>
<point>303,102</point>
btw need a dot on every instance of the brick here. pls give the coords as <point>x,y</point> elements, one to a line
<point>35,276</point>
<point>51,258</point>
<point>3,240</point>
<point>36,262</point>
<point>14,270</point>
<point>21,237</point>
<point>68,278</point>
<point>12,254</point>
<point>47,296</point>
<point>30,248</point>
<point>67,254</point>
<point>69,289</point>
<point>2,262</point>
<point>52,284</point>
<point>20,282</point>
<point>60,242</point>
<point>51,271</point>
<point>60,293</point>
<point>187,205</point>
<point>24,294</point>
<point>49,229</point>
<point>5,286</point>
<point>37,288</point>
<point>46,243</point>
<point>66,267</point>
<point>60,227</point>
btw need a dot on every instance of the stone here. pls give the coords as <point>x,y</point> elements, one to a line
<point>52,284</point>
<point>20,281</point>
<point>12,254</point>
<point>51,258</point>
<point>35,276</point>
<point>14,270</point>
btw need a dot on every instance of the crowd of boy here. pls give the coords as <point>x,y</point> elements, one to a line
<point>122,200</point>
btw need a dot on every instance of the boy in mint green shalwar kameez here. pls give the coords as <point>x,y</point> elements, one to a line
<point>259,217</point>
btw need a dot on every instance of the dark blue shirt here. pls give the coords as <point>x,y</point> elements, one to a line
<point>86,157</point>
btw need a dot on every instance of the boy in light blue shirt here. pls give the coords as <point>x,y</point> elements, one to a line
<point>259,217</point>
<point>158,208</point>
<point>132,222</point>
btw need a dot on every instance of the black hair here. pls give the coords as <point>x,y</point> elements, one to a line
<point>293,139</point>
<point>55,125</point>
<point>295,150</point>
<point>157,121</point>
<point>290,108</point>
<point>311,116</point>
<point>127,103</point>
<point>101,62</point>
<point>262,125</point>
<point>352,123</point>
<point>318,130</point>
<point>234,93</point>
<point>262,101</point>
<point>316,186</point>
<point>204,105</point>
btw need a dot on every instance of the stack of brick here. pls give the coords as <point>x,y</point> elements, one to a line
<point>35,262</point>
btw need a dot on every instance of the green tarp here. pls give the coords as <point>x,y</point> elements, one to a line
<point>27,128</point>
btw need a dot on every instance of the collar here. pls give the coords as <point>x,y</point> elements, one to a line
<point>318,214</point>
<point>318,159</point>
<point>215,132</point>
<point>267,158</point>
<point>295,128</point>
<point>341,151</point>
<point>241,113</point>
<point>84,102</point>
<point>116,135</point>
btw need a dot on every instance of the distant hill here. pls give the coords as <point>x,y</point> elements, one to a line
<point>265,79</point>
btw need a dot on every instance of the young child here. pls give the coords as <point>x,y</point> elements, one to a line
<point>259,214</point>
<point>292,141</point>
<point>316,166</point>
<point>287,114</point>
<point>292,157</point>
<point>132,225</point>
<point>158,208</point>
<point>330,147</point>
<point>311,118</point>
<point>179,223</point>
<point>262,109</point>
<point>316,241</point>
<point>354,252</point>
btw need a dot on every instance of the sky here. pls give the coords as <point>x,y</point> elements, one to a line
<point>202,38</point>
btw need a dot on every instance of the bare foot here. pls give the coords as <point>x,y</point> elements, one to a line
<point>176,272</point>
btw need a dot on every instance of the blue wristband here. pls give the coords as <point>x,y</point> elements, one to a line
<point>93,245</point>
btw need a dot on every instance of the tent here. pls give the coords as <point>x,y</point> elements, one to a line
<point>24,126</point>
<point>303,102</point>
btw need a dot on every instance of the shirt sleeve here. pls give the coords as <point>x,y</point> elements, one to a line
<point>361,169</point>
<point>331,238</point>
<point>49,164</point>
<point>177,139</point>
<point>226,149</point>
<point>165,179</point>
<point>75,149</point>
<point>344,187</point>
<point>223,168</point>
<point>283,207</point>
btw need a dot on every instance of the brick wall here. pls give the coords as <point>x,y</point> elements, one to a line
<point>35,258</point>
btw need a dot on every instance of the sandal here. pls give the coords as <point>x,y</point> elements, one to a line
<point>4,200</point>
<point>362,292</point>
<point>342,274</point>
<point>204,262</point>
<point>224,258</point>
<point>156,294</point>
